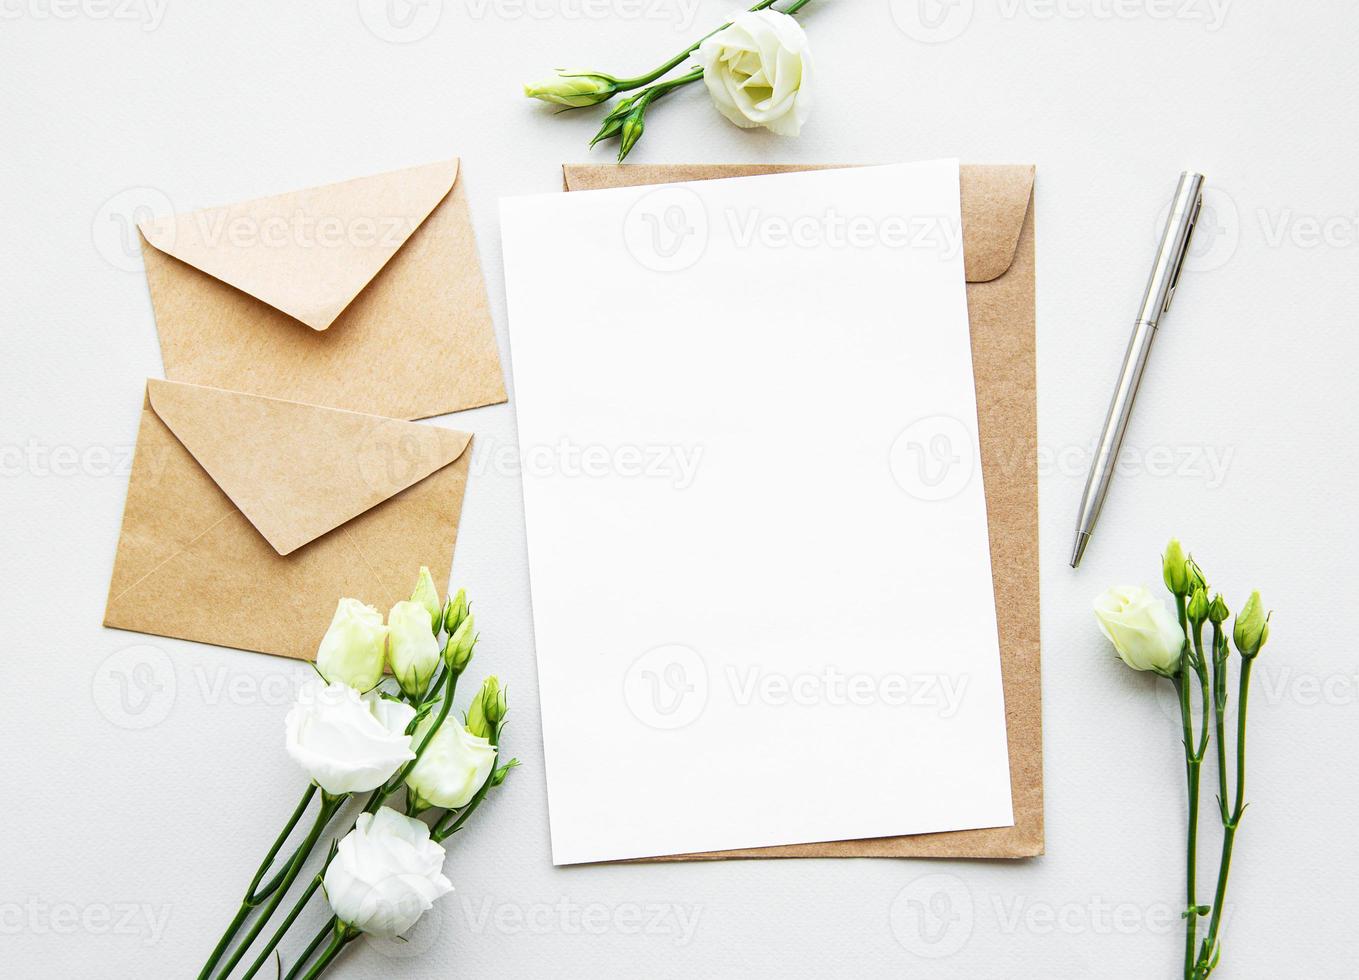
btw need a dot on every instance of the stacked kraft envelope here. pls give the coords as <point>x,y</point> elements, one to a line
<point>998,244</point>
<point>276,467</point>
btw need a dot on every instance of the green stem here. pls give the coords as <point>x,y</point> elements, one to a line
<point>1219,715</point>
<point>392,785</point>
<point>291,918</point>
<point>1191,848</point>
<point>1230,826</point>
<point>1191,763</point>
<point>312,947</point>
<point>338,941</point>
<point>252,894</point>
<point>628,84</point>
<point>330,805</point>
<point>1201,670</point>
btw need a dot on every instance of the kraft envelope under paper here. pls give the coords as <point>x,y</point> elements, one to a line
<point>792,551</point>
<point>247,518</point>
<point>365,295</point>
<point>998,237</point>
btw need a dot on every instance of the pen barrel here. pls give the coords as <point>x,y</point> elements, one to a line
<point>1173,248</point>
<point>1116,422</point>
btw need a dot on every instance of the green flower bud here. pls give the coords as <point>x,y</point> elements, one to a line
<point>499,775</point>
<point>456,611</point>
<point>574,89</point>
<point>1173,570</point>
<point>1197,610</point>
<point>1218,611</point>
<point>488,709</point>
<point>428,596</point>
<point>1252,627</point>
<point>458,649</point>
<point>1195,574</point>
<point>613,122</point>
<point>631,131</point>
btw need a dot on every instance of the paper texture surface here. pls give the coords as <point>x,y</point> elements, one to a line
<point>365,295</point>
<point>796,615</point>
<point>247,518</point>
<point>998,232</point>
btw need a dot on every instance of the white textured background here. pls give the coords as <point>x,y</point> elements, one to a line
<point>130,826</point>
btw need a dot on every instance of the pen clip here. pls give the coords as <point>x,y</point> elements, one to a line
<point>1183,252</point>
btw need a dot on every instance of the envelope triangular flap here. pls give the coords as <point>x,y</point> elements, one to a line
<point>310,252</point>
<point>995,199</point>
<point>297,471</point>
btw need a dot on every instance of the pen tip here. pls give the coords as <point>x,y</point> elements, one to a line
<point>1078,552</point>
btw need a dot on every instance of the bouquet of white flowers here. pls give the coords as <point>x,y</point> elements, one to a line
<point>355,733</point>
<point>757,70</point>
<point>1147,636</point>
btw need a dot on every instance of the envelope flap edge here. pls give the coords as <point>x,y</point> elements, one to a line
<point>297,471</point>
<point>995,199</point>
<point>309,252</point>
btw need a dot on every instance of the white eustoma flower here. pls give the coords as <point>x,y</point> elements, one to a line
<point>757,71</point>
<point>452,767</point>
<point>1142,629</point>
<point>353,648</point>
<point>413,649</point>
<point>348,743</point>
<point>386,874</point>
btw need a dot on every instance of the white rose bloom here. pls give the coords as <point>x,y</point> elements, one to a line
<point>386,873</point>
<point>414,650</point>
<point>757,71</point>
<point>1142,629</point>
<point>354,645</point>
<point>348,743</point>
<point>453,766</point>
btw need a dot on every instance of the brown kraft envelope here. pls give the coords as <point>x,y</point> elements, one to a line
<point>365,295</point>
<point>247,518</point>
<point>998,242</point>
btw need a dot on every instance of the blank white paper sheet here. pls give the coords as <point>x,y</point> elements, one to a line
<point>756,523</point>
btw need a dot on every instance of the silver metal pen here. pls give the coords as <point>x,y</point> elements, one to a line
<point>1165,276</point>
